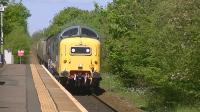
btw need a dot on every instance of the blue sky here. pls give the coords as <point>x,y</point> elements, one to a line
<point>43,11</point>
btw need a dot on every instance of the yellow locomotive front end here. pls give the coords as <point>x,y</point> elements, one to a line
<point>79,60</point>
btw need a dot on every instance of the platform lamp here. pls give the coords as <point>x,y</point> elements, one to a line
<point>1,40</point>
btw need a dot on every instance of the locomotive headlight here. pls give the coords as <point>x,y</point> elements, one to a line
<point>87,50</point>
<point>73,50</point>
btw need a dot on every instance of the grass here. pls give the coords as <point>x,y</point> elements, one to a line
<point>188,109</point>
<point>135,97</point>
<point>24,59</point>
<point>112,84</point>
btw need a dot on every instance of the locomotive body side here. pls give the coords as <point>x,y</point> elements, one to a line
<point>52,52</point>
<point>41,51</point>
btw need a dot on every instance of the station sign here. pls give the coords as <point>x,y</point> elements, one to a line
<point>20,53</point>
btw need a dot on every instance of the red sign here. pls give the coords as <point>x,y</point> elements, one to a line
<point>20,53</point>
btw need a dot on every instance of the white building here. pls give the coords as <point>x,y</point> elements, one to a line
<point>8,57</point>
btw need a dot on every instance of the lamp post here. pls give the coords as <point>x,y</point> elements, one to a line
<point>1,40</point>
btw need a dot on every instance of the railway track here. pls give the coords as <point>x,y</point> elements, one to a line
<point>91,101</point>
<point>93,104</point>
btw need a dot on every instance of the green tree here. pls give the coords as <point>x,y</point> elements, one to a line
<point>4,2</point>
<point>15,28</point>
<point>15,15</point>
<point>157,41</point>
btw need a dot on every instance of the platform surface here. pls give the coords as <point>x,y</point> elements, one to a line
<point>62,100</point>
<point>17,90</point>
<point>31,88</point>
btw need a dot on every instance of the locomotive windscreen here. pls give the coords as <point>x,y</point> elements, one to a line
<point>88,32</point>
<point>71,32</point>
<point>80,50</point>
<point>78,31</point>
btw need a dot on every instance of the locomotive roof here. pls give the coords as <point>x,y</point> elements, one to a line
<point>81,31</point>
<point>52,36</point>
<point>75,31</point>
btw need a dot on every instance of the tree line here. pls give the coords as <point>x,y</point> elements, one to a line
<point>150,44</point>
<point>16,36</point>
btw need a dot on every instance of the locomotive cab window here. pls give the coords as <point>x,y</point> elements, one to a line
<point>88,33</point>
<point>70,32</point>
<point>80,51</point>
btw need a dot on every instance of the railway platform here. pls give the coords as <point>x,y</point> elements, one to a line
<point>30,88</point>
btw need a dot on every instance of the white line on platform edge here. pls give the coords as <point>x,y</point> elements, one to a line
<point>66,92</point>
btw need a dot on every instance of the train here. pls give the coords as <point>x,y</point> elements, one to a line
<point>73,55</point>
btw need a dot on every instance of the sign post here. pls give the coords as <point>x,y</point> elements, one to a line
<point>20,53</point>
<point>1,39</point>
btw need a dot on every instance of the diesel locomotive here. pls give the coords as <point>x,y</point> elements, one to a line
<point>73,55</point>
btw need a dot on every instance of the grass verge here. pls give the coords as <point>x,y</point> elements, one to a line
<point>135,97</point>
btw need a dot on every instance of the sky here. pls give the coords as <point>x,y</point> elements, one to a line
<point>43,11</point>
